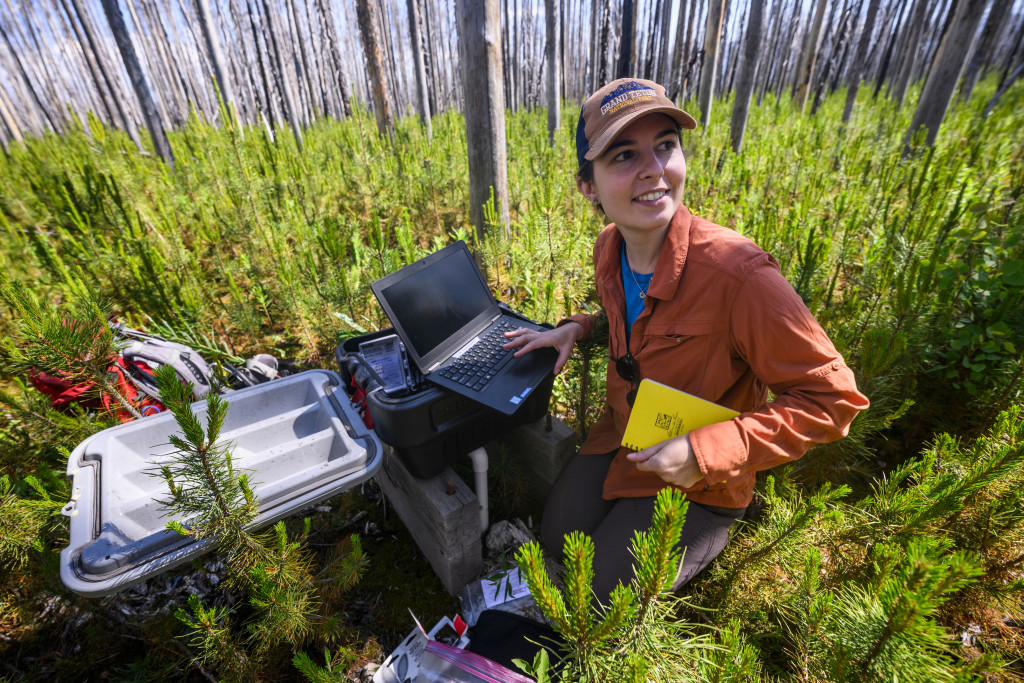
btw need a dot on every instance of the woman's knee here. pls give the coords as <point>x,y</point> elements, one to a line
<point>703,538</point>
<point>575,502</point>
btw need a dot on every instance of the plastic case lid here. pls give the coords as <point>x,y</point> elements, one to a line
<point>299,439</point>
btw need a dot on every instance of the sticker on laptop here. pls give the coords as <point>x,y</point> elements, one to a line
<point>526,392</point>
<point>515,399</point>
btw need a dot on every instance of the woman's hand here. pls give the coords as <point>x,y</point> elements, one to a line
<point>561,338</point>
<point>672,460</point>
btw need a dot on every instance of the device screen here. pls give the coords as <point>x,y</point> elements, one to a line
<point>436,302</point>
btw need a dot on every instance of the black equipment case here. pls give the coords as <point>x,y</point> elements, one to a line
<point>430,427</point>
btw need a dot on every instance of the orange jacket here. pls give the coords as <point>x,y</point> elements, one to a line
<point>721,322</point>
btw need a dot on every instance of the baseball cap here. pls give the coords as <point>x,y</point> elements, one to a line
<point>614,106</point>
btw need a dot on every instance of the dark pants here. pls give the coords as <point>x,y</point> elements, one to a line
<point>575,504</point>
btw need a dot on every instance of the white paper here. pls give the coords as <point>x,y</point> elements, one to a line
<point>503,587</point>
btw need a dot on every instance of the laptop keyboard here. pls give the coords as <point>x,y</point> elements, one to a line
<point>475,368</point>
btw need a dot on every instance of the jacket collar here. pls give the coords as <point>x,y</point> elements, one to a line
<point>669,269</point>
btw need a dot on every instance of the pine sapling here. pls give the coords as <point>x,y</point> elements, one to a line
<point>634,637</point>
<point>875,632</point>
<point>658,560</point>
<point>210,634</point>
<point>549,599</point>
<point>345,566</point>
<point>735,660</point>
<point>75,344</point>
<point>24,521</point>
<point>283,609</point>
<point>571,614</point>
<point>35,436</point>
<point>788,521</point>
<point>208,496</point>
<point>315,673</point>
<point>811,606</point>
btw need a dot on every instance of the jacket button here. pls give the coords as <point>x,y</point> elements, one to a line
<point>835,365</point>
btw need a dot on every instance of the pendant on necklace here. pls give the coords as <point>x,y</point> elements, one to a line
<point>643,295</point>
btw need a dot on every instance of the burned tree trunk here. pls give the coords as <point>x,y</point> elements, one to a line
<point>375,67</point>
<point>99,70</point>
<point>268,86</point>
<point>284,82</point>
<point>242,69</point>
<point>396,94</point>
<point>7,114</point>
<point>433,62</point>
<point>158,66</point>
<point>664,62</point>
<point>105,99</point>
<point>44,77</point>
<point>150,112</point>
<point>417,55</point>
<point>993,25</point>
<point>950,60</point>
<point>553,51</point>
<point>688,56</point>
<point>734,47</point>
<point>829,69</point>
<point>1011,54</point>
<point>808,59</point>
<point>300,54</point>
<point>622,68</point>
<point>480,54</point>
<point>604,73</point>
<point>674,76</point>
<point>327,21</point>
<point>908,56</point>
<point>857,70</point>
<point>1007,82</point>
<point>706,87</point>
<point>150,68</point>
<point>745,87</point>
<point>772,53</point>
<point>26,79</point>
<point>887,58</point>
<point>324,99</point>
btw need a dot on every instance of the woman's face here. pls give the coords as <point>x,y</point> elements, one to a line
<point>640,176</point>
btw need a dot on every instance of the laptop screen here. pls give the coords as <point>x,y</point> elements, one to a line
<point>431,304</point>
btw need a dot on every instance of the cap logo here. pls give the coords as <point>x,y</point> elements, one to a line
<point>626,94</point>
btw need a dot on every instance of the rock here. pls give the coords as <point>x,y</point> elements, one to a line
<point>507,535</point>
<point>365,674</point>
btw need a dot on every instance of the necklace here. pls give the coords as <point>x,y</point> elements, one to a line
<point>643,292</point>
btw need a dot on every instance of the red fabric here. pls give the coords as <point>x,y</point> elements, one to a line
<point>358,399</point>
<point>64,392</point>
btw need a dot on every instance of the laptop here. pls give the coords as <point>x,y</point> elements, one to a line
<point>453,329</point>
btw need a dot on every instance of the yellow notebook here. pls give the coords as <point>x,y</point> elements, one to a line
<point>661,412</point>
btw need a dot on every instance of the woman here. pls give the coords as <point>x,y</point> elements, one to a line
<point>698,307</point>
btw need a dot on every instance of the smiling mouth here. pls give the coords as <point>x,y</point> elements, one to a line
<point>651,196</point>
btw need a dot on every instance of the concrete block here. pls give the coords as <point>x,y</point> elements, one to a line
<point>443,516</point>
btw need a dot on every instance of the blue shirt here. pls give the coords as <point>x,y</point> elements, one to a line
<point>633,289</point>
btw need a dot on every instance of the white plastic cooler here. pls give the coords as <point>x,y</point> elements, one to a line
<point>298,437</point>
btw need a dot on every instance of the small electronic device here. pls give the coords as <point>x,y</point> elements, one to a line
<point>386,356</point>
